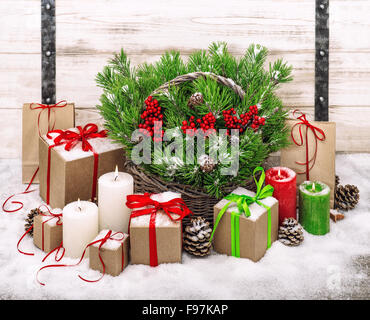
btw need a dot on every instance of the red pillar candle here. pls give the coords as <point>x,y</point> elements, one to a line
<point>285,191</point>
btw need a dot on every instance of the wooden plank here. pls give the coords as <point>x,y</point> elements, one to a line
<point>20,79</point>
<point>348,140</point>
<point>349,56</point>
<point>82,69</point>
<point>20,26</point>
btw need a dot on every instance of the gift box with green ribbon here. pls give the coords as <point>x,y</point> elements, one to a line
<point>246,223</point>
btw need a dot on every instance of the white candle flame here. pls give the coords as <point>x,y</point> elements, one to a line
<point>116,173</point>
<point>279,172</point>
<point>313,186</point>
<point>79,204</point>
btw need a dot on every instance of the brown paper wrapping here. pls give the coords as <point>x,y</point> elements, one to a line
<point>253,231</point>
<point>169,243</point>
<point>53,234</point>
<point>64,119</point>
<point>72,180</point>
<point>112,258</point>
<point>324,168</point>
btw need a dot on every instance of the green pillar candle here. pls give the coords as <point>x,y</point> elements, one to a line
<point>314,207</point>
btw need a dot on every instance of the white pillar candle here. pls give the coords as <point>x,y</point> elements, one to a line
<point>113,189</point>
<point>80,227</point>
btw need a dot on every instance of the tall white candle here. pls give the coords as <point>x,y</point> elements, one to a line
<point>80,227</point>
<point>113,188</point>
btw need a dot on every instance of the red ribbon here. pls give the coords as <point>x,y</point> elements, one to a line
<point>175,206</point>
<point>60,104</point>
<point>70,139</point>
<point>52,216</point>
<point>24,192</point>
<point>318,133</point>
<point>49,107</point>
<point>109,236</point>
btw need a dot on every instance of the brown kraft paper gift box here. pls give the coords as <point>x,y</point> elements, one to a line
<point>64,118</point>
<point>252,230</point>
<point>168,237</point>
<point>324,167</point>
<point>47,236</point>
<point>71,172</point>
<point>114,253</point>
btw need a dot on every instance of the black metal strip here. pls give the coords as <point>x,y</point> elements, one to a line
<point>48,51</point>
<point>322,61</point>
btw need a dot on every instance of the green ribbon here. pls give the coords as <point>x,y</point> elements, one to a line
<point>243,202</point>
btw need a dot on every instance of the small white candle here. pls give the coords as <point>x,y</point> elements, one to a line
<point>80,227</point>
<point>113,189</point>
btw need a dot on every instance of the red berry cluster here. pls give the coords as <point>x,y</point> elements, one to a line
<point>152,113</point>
<point>205,123</point>
<point>233,122</point>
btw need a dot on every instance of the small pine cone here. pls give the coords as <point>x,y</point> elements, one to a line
<point>337,181</point>
<point>346,197</point>
<point>206,164</point>
<point>196,237</point>
<point>195,100</point>
<point>290,232</point>
<point>29,220</point>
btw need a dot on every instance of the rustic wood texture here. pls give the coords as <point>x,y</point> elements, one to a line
<point>88,33</point>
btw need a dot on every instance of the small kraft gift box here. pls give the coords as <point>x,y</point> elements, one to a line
<point>71,162</point>
<point>109,252</point>
<point>312,151</point>
<point>246,223</point>
<point>38,119</point>
<point>48,230</point>
<point>155,227</point>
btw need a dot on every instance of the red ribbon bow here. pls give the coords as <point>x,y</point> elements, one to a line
<point>109,236</point>
<point>49,107</point>
<point>318,133</point>
<point>175,206</point>
<point>70,139</point>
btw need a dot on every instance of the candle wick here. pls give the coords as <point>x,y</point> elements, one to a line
<point>115,178</point>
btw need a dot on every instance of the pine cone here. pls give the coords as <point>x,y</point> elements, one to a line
<point>196,237</point>
<point>29,220</point>
<point>290,232</point>
<point>346,197</point>
<point>195,100</point>
<point>337,181</point>
<point>206,164</point>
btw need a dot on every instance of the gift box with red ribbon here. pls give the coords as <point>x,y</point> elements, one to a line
<point>312,151</point>
<point>72,160</point>
<point>47,230</point>
<point>155,227</point>
<point>109,252</point>
<point>38,119</point>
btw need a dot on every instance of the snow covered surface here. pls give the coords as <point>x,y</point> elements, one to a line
<point>332,266</point>
<point>100,145</point>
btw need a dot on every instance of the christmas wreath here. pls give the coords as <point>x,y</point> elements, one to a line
<point>212,90</point>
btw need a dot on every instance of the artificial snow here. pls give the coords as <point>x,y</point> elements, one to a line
<point>333,266</point>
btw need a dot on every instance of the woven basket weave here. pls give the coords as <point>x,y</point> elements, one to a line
<point>196,199</point>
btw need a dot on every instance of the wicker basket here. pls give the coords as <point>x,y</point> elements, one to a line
<point>196,199</point>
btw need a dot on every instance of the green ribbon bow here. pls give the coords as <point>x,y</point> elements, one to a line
<point>243,202</point>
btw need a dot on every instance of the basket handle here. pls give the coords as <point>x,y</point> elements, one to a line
<point>194,75</point>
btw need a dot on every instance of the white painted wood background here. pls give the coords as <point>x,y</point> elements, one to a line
<point>89,32</point>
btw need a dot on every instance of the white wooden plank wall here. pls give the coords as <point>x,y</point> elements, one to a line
<point>89,32</point>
